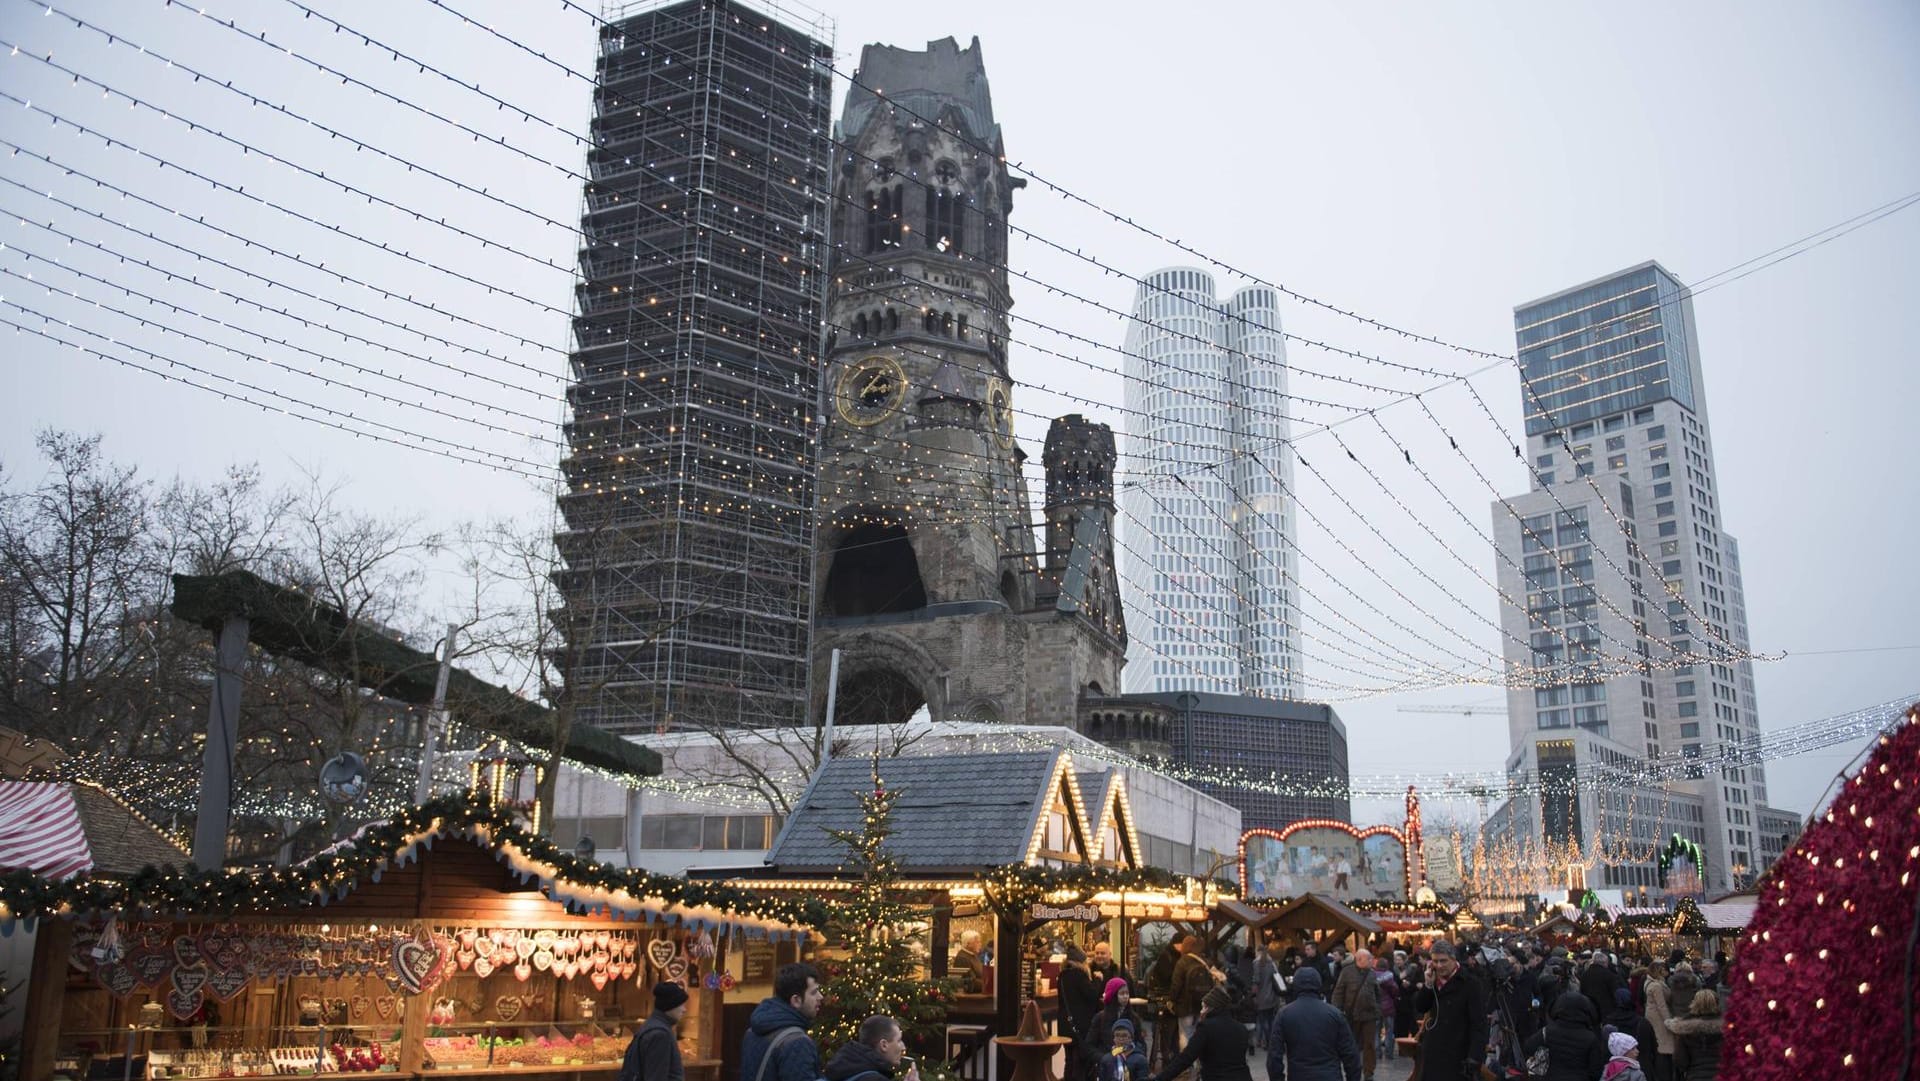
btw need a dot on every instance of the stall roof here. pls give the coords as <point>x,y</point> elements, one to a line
<point>58,830</point>
<point>1312,911</point>
<point>1728,915</point>
<point>955,814</point>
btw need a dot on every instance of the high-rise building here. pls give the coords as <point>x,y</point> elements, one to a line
<point>688,540</point>
<point>1632,642</point>
<point>1209,541</point>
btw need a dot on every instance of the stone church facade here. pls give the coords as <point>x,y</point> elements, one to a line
<point>931,577</point>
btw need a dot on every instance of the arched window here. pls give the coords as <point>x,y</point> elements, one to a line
<point>875,215</point>
<point>929,322</point>
<point>946,324</point>
<point>963,328</point>
<point>893,319</point>
<point>860,325</point>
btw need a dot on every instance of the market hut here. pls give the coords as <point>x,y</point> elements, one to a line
<point>1024,848</point>
<point>1324,918</point>
<point>445,939</point>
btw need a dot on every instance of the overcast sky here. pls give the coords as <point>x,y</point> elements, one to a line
<point>1429,166</point>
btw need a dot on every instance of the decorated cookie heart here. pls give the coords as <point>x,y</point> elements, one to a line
<point>542,960</point>
<point>599,981</point>
<point>117,978</point>
<point>523,972</point>
<point>660,951</point>
<point>483,966</point>
<point>361,1006</point>
<point>524,948</point>
<point>419,965</point>
<point>508,1007</point>
<point>464,957</point>
<point>226,982</point>
<point>150,965</point>
<point>184,1004</point>
<point>545,938</point>
<point>186,950</point>
<point>677,970</point>
<point>467,937</point>
<point>188,980</point>
<point>385,1005</point>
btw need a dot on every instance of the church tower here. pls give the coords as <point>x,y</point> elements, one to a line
<point>929,579</point>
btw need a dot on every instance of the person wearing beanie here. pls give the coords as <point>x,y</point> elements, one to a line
<point>1123,1060</point>
<point>1117,1006</point>
<point>1218,1043</point>
<point>654,1054</point>
<point>1624,1063</point>
<point>1310,1040</point>
<point>1697,1038</point>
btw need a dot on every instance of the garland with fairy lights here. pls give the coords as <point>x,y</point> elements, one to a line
<point>171,891</point>
<point>1010,891</point>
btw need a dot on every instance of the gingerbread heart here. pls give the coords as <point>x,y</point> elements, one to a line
<point>150,965</point>
<point>116,978</point>
<point>508,1007</point>
<point>542,960</point>
<point>184,1004</point>
<point>523,972</point>
<point>227,982</point>
<point>660,951</point>
<point>419,965</point>
<point>601,938</point>
<point>186,950</point>
<point>599,980</point>
<point>524,948</point>
<point>385,1005</point>
<point>676,970</point>
<point>361,1006</point>
<point>483,966</point>
<point>188,980</point>
<point>464,957</point>
<point>467,936</point>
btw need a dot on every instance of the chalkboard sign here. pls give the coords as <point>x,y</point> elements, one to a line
<point>757,964</point>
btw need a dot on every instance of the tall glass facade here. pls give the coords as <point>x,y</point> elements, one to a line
<point>1606,347</point>
<point>1209,543</point>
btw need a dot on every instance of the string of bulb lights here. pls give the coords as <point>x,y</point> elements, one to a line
<point>1423,403</point>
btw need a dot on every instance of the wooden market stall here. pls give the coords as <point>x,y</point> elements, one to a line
<point>1323,919</point>
<point>447,940</point>
<point>1025,849</point>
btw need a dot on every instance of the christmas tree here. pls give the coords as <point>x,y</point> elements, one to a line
<point>881,933</point>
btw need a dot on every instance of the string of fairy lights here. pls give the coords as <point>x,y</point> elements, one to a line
<point>510,463</point>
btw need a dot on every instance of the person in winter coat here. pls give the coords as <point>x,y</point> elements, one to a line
<point>654,1054</point>
<point>1079,1001</point>
<point>1310,1040</point>
<point>1116,1006</point>
<point>1387,987</point>
<point>1406,1019</point>
<point>1575,1049</point>
<point>1598,981</point>
<point>1123,1061</point>
<point>777,1047</point>
<point>1218,1044</point>
<point>874,1054</point>
<point>1658,1061</point>
<point>1355,996</point>
<point>1267,992</point>
<point>1621,1017</point>
<point>1456,1041</point>
<point>1192,979</point>
<point>1624,1061</point>
<point>1521,993</point>
<point>1696,1039</point>
<point>1680,988</point>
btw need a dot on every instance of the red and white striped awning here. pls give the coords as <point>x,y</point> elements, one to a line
<point>41,831</point>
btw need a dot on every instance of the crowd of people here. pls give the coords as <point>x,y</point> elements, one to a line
<point>1515,1010</point>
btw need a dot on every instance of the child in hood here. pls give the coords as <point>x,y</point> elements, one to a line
<point>1625,1063</point>
<point>1124,1061</point>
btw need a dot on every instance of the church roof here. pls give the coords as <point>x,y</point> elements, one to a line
<point>948,382</point>
<point>923,81</point>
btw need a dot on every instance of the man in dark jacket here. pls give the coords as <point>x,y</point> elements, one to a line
<point>654,1054</point>
<point>1192,979</point>
<point>1218,1044</point>
<point>1520,997</point>
<point>874,1054</point>
<point>1456,1041</point>
<point>1598,981</point>
<point>1311,957</point>
<point>1310,1040</point>
<point>1355,996</point>
<point>1575,1049</point>
<point>777,1047</point>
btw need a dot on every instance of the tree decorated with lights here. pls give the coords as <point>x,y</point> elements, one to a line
<point>1824,984</point>
<point>879,932</point>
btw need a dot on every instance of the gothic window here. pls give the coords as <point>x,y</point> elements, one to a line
<point>944,202</point>
<point>860,325</point>
<point>893,204</point>
<point>893,320</point>
<point>874,218</point>
<point>946,324</point>
<point>963,328</point>
<point>929,322</point>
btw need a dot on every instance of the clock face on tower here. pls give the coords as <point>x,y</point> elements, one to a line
<point>1000,412</point>
<point>870,390</point>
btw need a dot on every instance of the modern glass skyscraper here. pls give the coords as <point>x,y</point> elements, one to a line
<point>1635,622</point>
<point>1209,537</point>
<point>689,533</point>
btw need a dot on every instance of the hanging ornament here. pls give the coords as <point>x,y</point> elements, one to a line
<point>343,779</point>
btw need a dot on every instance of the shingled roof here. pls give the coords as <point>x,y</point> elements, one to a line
<point>122,841</point>
<point>956,814</point>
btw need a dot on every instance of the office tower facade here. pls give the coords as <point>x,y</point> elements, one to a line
<point>1635,664</point>
<point>1209,542</point>
<point>688,536</point>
